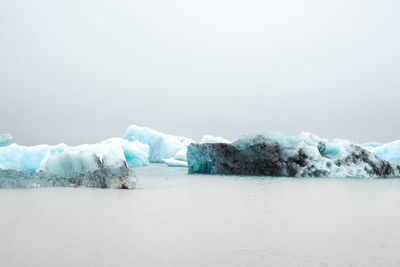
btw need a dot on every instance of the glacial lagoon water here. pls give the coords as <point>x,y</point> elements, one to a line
<point>177,219</point>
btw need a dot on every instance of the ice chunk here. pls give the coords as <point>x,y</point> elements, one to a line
<point>5,139</point>
<point>175,163</point>
<point>181,155</point>
<point>162,146</point>
<point>136,153</point>
<point>73,169</point>
<point>28,158</point>
<point>276,154</point>
<point>214,139</point>
<point>179,160</point>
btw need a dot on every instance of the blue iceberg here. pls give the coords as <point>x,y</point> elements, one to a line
<point>73,169</point>
<point>29,158</point>
<point>105,165</point>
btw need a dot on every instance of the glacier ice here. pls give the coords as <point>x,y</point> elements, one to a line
<point>68,163</point>
<point>181,155</point>
<point>25,158</point>
<point>72,169</point>
<point>389,151</point>
<point>29,158</point>
<point>313,155</point>
<point>214,139</point>
<point>5,139</point>
<point>371,145</point>
<point>179,160</point>
<point>136,153</point>
<point>276,154</point>
<point>162,146</point>
<point>171,162</point>
<point>166,148</point>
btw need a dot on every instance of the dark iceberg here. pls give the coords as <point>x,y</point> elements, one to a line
<point>276,154</point>
<point>103,178</point>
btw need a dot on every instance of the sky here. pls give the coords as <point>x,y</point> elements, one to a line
<point>82,71</point>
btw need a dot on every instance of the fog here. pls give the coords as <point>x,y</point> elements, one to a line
<point>82,71</point>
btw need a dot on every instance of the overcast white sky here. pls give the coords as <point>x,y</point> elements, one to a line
<point>82,71</point>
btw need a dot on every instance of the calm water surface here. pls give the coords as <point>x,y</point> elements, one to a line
<point>182,220</point>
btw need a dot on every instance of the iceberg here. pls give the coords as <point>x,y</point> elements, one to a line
<point>5,139</point>
<point>73,169</point>
<point>29,158</point>
<point>271,153</point>
<point>162,146</point>
<point>277,154</point>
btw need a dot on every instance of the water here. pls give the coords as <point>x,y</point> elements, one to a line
<point>182,220</point>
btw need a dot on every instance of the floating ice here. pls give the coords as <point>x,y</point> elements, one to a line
<point>29,158</point>
<point>5,139</point>
<point>276,154</point>
<point>162,146</point>
<point>73,169</point>
<point>142,145</point>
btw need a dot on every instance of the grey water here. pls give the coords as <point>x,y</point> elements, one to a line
<point>177,219</point>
